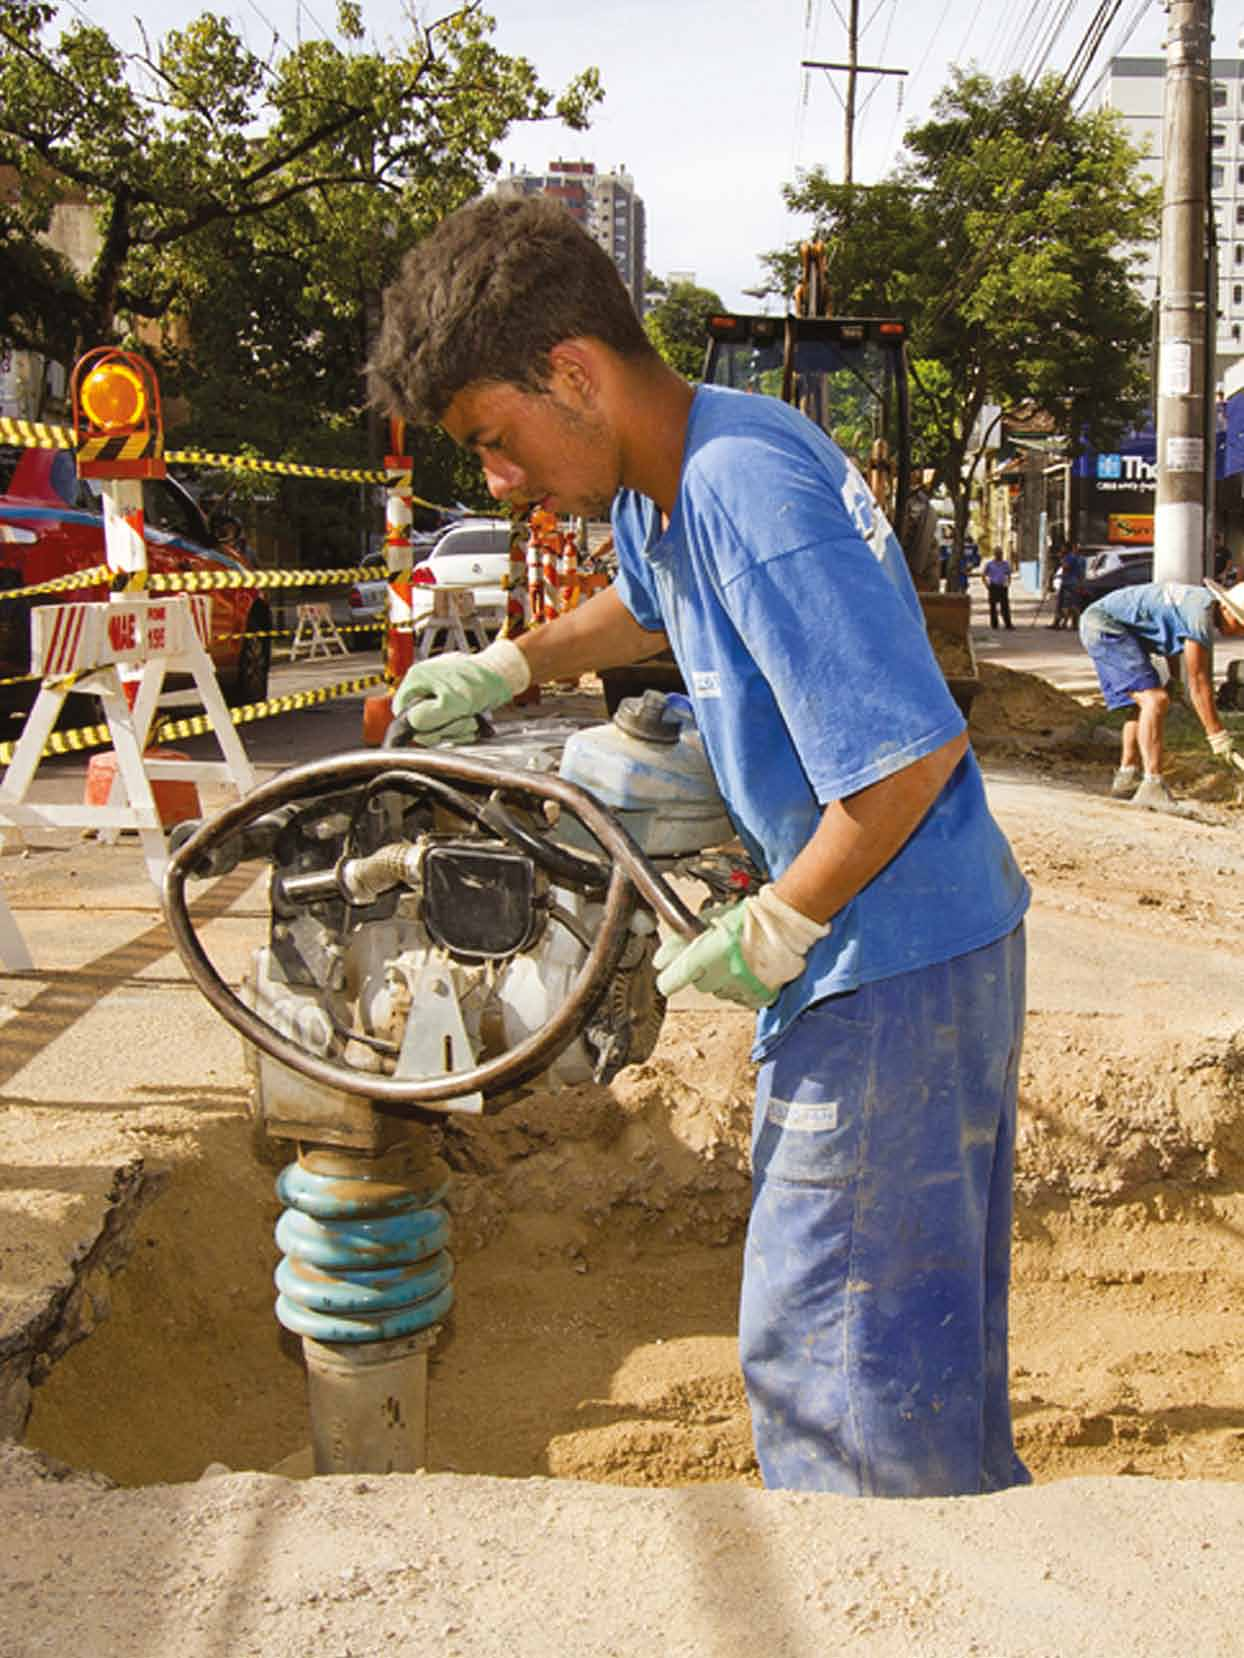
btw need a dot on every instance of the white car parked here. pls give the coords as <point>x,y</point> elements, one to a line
<point>472,554</point>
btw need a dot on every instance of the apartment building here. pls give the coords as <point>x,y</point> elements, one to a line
<point>1136,87</point>
<point>605,204</point>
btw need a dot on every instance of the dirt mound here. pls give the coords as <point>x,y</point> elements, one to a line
<point>1016,705</point>
<point>1019,716</point>
<point>1110,1110</point>
<point>661,1155</point>
<point>1196,776</point>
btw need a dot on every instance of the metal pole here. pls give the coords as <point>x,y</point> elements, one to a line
<point>1179,518</point>
<point>853,54</point>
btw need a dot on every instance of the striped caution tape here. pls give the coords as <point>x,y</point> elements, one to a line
<point>212,581</point>
<point>191,581</point>
<point>33,434</point>
<point>197,725</point>
<point>287,469</point>
<point>65,742</point>
<point>97,576</point>
<point>288,633</point>
<point>298,469</point>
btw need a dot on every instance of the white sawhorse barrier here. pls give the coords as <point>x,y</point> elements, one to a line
<point>81,647</point>
<point>452,624</point>
<point>316,634</point>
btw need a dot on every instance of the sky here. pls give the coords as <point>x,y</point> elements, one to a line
<point>706,104</point>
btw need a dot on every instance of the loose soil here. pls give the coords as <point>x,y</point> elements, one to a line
<point>598,1232</point>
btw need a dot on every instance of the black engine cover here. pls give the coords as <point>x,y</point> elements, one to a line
<point>480,899</point>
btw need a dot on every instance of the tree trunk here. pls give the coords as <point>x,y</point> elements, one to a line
<point>106,277</point>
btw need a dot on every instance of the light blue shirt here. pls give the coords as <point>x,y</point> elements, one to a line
<point>794,621</point>
<point>1160,614</point>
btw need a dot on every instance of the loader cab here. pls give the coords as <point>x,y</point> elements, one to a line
<point>848,374</point>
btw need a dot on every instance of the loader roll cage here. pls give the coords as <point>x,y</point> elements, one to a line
<point>848,374</point>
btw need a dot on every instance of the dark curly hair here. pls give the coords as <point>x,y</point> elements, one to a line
<point>486,297</point>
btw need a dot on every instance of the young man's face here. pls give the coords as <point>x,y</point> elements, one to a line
<point>539,449</point>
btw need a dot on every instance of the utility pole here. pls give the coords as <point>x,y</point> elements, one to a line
<point>853,74</point>
<point>853,69</point>
<point>1185,448</point>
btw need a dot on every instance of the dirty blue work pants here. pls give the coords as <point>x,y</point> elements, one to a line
<point>873,1327</point>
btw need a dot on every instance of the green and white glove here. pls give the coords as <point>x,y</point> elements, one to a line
<point>441,697</point>
<point>1223,745</point>
<point>748,951</point>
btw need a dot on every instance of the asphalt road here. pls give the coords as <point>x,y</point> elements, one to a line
<point>1031,646</point>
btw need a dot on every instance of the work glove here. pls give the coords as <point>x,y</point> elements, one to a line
<point>1223,745</point>
<point>441,697</point>
<point>747,952</point>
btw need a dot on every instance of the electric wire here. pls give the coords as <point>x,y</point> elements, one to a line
<point>1116,50</point>
<point>1081,60</point>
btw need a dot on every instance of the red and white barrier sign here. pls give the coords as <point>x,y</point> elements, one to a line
<point>73,638</point>
<point>104,648</point>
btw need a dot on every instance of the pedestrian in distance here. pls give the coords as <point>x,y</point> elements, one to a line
<point>1222,555</point>
<point>1124,632</point>
<point>883,952</point>
<point>919,535</point>
<point>1068,576</point>
<point>997,578</point>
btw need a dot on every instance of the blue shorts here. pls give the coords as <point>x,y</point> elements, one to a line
<point>1123,664</point>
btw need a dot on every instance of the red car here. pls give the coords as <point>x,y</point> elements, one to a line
<point>52,523</point>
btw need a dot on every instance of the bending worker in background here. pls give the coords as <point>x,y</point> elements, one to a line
<point>1123,632</point>
<point>885,950</point>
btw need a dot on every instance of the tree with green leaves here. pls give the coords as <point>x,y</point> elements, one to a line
<point>678,324</point>
<point>249,210</point>
<point>1007,238</point>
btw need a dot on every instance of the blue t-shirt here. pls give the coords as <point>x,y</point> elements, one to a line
<point>1159,614</point>
<point>792,616</point>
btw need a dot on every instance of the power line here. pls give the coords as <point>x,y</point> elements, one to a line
<point>1119,47</point>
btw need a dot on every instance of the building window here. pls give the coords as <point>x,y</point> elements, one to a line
<point>1235,330</point>
<point>1216,177</point>
<point>1237,294</point>
<point>1239,213</point>
<point>1218,138</point>
<point>1220,95</point>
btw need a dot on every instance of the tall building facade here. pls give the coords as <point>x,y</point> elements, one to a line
<point>605,204</point>
<point>1136,87</point>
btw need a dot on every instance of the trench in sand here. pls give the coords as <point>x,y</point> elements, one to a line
<point>598,1238</point>
<point>598,1233</point>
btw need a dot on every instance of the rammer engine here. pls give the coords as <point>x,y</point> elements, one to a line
<point>448,928</point>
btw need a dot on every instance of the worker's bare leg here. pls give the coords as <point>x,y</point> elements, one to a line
<point>1149,727</point>
<point>1130,757</point>
<point>1152,705</point>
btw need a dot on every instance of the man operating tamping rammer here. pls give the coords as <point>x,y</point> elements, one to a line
<point>884,951</point>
